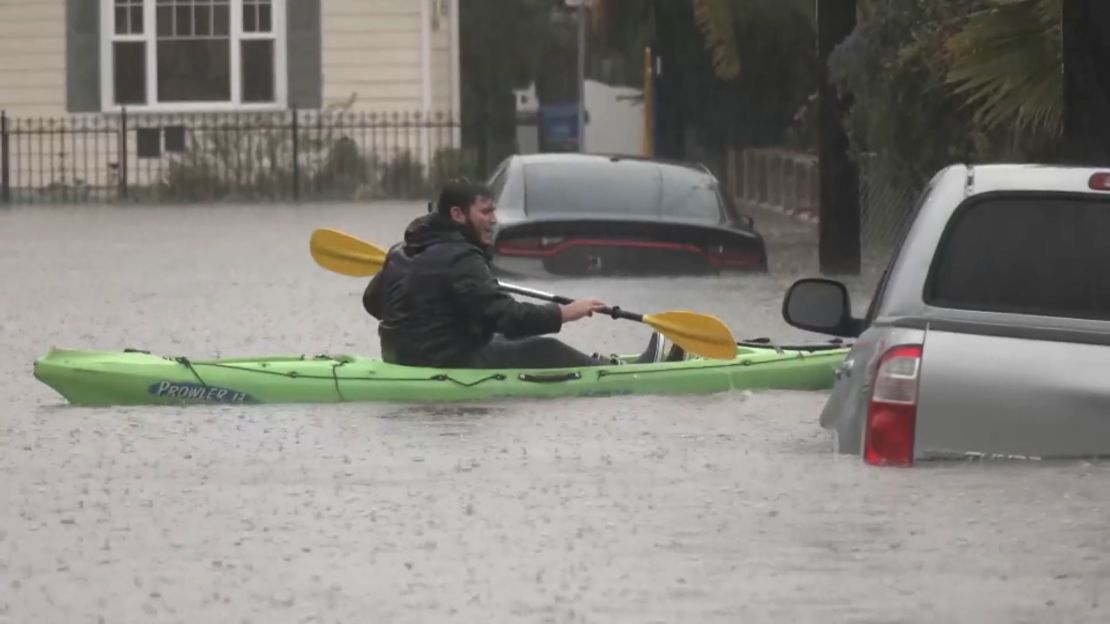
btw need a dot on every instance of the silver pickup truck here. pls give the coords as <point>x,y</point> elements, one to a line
<point>989,333</point>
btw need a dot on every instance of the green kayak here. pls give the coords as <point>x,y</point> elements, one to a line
<point>133,377</point>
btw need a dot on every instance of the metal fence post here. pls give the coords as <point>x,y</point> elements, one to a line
<point>5,161</point>
<point>123,153</point>
<point>296,159</point>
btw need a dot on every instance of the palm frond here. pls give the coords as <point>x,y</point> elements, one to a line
<point>1006,62</point>
<point>715,19</point>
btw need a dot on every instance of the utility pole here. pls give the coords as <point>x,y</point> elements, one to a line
<point>581,75</point>
<point>581,5</point>
<point>1086,43</point>
<point>839,227</point>
<point>669,139</point>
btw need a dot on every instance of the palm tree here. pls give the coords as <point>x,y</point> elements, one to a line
<point>1006,62</point>
<point>717,21</point>
<point>721,21</point>
<point>734,72</point>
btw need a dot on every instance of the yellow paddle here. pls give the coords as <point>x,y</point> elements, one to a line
<point>696,333</point>
<point>345,254</point>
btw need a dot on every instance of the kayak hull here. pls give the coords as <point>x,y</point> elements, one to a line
<point>101,378</point>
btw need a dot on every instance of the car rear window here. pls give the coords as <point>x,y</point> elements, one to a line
<point>624,188</point>
<point>1042,255</point>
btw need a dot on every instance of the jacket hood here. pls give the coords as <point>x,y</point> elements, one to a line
<point>432,229</point>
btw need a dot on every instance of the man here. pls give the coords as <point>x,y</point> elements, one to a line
<point>439,305</point>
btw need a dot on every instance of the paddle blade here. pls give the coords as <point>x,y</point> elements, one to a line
<point>345,254</point>
<point>696,333</point>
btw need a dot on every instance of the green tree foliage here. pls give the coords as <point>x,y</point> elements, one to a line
<point>735,72</point>
<point>732,28</point>
<point>717,21</point>
<point>772,78</point>
<point>901,105</point>
<point>503,46</point>
<point>1006,62</point>
<point>932,81</point>
<point>941,81</point>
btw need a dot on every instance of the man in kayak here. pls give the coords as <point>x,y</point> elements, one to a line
<point>439,305</point>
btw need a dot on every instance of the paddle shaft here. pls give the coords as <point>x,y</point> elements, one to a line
<point>697,333</point>
<point>614,311</point>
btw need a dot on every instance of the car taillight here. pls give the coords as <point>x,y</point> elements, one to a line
<point>892,410</point>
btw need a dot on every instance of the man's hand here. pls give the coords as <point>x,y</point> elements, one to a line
<point>580,308</point>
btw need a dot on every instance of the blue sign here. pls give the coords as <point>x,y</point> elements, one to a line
<point>559,124</point>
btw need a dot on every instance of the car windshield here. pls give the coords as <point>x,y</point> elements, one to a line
<point>1031,255</point>
<point>630,188</point>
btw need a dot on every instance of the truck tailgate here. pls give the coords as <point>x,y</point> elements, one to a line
<point>1004,395</point>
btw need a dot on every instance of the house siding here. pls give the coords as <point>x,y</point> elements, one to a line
<point>442,89</point>
<point>32,33</point>
<point>371,52</point>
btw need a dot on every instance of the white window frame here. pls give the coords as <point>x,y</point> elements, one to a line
<point>107,83</point>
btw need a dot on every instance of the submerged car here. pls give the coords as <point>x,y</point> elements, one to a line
<point>589,214</point>
<point>989,333</point>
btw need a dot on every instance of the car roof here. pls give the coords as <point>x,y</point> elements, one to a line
<point>595,165</point>
<point>1031,177</point>
<point>597,158</point>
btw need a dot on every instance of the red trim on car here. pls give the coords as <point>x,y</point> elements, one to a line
<point>534,248</point>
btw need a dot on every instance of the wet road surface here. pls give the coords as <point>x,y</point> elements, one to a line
<point>725,508</point>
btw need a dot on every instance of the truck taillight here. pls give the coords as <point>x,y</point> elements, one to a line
<point>1100,181</point>
<point>892,410</point>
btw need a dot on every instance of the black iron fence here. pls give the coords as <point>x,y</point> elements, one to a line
<point>289,155</point>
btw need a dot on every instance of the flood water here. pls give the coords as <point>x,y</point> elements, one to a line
<point>724,508</point>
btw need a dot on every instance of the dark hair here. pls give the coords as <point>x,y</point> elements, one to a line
<point>462,193</point>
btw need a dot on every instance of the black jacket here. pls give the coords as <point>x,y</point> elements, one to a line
<point>437,302</point>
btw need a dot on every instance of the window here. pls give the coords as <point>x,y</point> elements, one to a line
<point>628,187</point>
<point>1042,255</point>
<point>193,54</point>
<point>497,180</point>
<point>900,241</point>
<point>689,195</point>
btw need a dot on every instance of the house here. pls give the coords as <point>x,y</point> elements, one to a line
<point>71,65</point>
<point>79,56</point>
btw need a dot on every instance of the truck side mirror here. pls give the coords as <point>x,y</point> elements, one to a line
<point>820,305</point>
